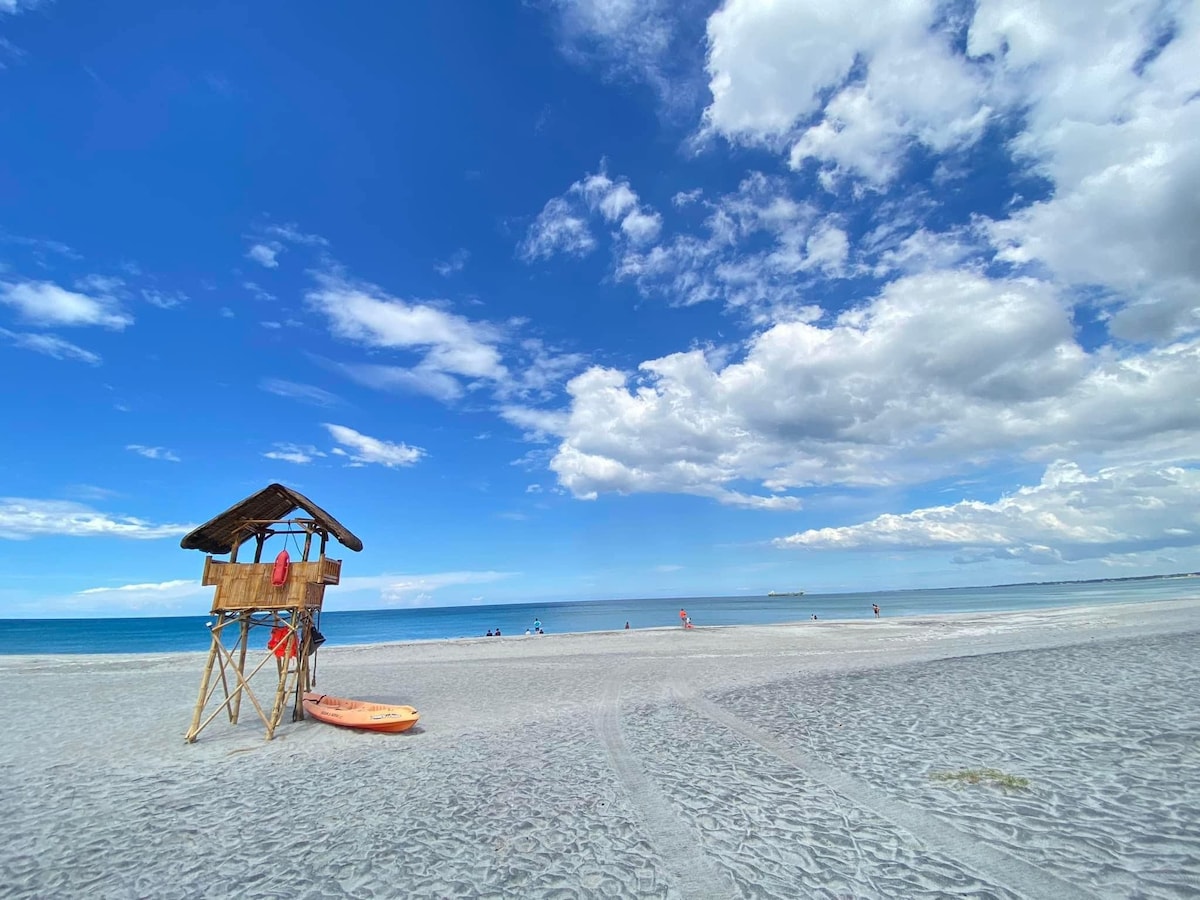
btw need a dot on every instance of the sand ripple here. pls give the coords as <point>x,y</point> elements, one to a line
<point>1107,742</point>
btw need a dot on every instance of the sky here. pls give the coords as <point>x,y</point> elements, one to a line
<point>555,300</point>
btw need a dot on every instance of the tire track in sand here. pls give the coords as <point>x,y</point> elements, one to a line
<point>693,873</point>
<point>994,865</point>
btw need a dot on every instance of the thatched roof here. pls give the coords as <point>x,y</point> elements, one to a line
<point>273,503</point>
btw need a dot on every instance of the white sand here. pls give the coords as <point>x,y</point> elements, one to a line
<point>775,761</point>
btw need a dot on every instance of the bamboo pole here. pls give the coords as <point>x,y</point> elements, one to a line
<point>244,641</point>
<point>201,699</point>
<point>219,636</point>
<point>244,684</point>
<point>281,689</point>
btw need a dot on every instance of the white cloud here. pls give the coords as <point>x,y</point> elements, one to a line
<point>164,299</point>
<point>12,7</point>
<point>294,453</point>
<point>773,67</point>
<point>161,587</point>
<point>51,345</point>
<point>290,233</point>
<point>174,597</point>
<point>364,449</point>
<point>538,370</point>
<point>687,198</point>
<point>45,303</point>
<point>294,390</point>
<point>265,254</point>
<point>453,264</point>
<point>271,240</point>
<point>263,296</point>
<point>22,518</point>
<point>416,589</point>
<point>1104,130</point>
<point>559,228</point>
<point>1103,98</point>
<point>759,250</point>
<point>153,452</point>
<point>450,343</point>
<point>562,226</point>
<point>637,40</point>
<point>1070,515</point>
<point>942,372</point>
<point>415,380</point>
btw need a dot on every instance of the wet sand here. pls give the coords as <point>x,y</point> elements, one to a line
<point>755,761</point>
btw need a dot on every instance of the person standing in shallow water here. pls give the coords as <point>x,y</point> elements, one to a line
<point>875,606</point>
<point>683,616</point>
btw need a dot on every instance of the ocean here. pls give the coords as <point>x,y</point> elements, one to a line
<point>189,633</point>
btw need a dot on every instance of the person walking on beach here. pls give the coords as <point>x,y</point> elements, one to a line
<point>875,606</point>
<point>683,617</point>
<point>537,624</point>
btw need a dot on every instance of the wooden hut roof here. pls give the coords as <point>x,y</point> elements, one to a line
<point>273,503</point>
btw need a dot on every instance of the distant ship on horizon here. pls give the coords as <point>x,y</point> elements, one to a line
<point>785,593</point>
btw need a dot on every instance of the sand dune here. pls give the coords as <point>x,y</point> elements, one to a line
<point>781,761</point>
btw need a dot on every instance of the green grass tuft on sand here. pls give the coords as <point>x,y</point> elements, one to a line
<point>994,777</point>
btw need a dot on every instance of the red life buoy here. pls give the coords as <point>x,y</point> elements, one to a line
<point>283,562</point>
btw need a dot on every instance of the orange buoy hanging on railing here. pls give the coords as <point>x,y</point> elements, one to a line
<point>281,642</point>
<point>283,563</point>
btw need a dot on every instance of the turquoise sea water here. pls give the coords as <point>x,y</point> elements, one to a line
<point>182,633</point>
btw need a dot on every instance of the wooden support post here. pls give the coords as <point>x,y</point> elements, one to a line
<point>259,538</point>
<point>307,545</point>
<point>194,729</point>
<point>243,645</point>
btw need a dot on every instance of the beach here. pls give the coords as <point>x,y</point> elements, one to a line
<point>749,761</point>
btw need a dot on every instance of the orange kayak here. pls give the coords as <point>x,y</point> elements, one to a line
<point>359,713</point>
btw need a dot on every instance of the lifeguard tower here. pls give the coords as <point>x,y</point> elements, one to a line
<point>283,595</point>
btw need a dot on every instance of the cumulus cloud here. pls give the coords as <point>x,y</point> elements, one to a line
<point>563,224</point>
<point>1112,123</point>
<point>877,79</point>
<point>1070,515</point>
<point>1097,101</point>
<point>941,372</point>
<point>559,228</point>
<point>362,449</point>
<point>22,518</point>
<point>50,345</point>
<point>45,303</point>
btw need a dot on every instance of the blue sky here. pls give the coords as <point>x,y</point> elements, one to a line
<point>556,300</point>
